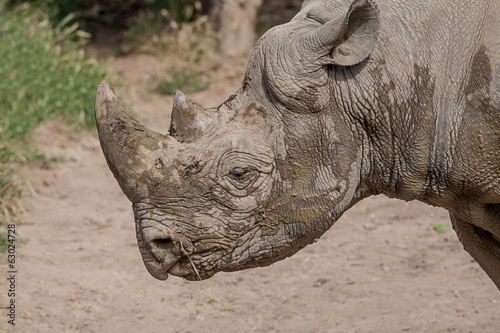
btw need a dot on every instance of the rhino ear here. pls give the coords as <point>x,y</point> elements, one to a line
<point>348,39</point>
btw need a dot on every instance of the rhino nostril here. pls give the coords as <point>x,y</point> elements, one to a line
<point>163,244</point>
<point>163,249</point>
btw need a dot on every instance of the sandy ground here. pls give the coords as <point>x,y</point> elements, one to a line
<point>381,268</point>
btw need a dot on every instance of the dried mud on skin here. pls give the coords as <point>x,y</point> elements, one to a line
<point>381,268</point>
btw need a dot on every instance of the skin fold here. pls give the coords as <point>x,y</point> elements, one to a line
<point>347,100</point>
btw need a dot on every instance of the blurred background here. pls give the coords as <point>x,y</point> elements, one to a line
<point>386,265</point>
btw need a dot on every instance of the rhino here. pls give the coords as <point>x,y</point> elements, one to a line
<point>347,100</point>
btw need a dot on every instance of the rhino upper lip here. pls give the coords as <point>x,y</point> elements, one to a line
<point>164,262</point>
<point>158,270</point>
<point>159,253</point>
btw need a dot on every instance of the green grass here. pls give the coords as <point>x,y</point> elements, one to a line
<point>441,228</point>
<point>160,18</point>
<point>10,194</point>
<point>43,74</point>
<point>186,82</point>
<point>183,38</point>
<point>3,242</point>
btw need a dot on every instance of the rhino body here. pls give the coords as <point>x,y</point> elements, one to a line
<point>347,100</point>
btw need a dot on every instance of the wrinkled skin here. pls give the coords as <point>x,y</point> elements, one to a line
<point>348,100</point>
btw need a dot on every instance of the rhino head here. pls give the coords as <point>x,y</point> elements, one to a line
<point>261,176</point>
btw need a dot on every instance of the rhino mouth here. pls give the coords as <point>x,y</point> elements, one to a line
<point>167,252</point>
<point>179,266</point>
<point>164,257</point>
<point>158,268</point>
<point>186,269</point>
<point>158,250</point>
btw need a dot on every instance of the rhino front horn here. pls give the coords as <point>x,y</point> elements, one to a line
<point>189,119</point>
<point>130,149</point>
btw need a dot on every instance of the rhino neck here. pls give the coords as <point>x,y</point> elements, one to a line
<point>396,121</point>
<point>409,100</point>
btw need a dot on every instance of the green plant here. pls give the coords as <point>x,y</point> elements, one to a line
<point>111,13</point>
<point>178,10</point>
<point>181,35</point>
<point>3,242</point>
<point>44,74</point>
<point>87,13</point>
<point>440,228</point>
<point>160,19</point>
<point>187,82</point>
<point>10,194</point>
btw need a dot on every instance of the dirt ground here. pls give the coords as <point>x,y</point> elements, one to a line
<point>381,268</point>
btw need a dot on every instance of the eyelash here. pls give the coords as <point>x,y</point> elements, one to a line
<point>238,173</point>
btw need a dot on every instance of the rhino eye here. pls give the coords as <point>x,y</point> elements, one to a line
<point>238,173</point>
<point>241,177</point>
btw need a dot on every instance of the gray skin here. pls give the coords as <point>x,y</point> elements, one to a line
<point>349,99</point>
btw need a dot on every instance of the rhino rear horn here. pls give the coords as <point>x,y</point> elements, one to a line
<point>190,120</point>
